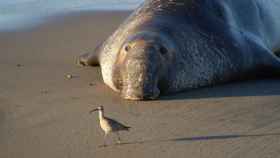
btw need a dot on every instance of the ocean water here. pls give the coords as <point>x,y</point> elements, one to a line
<point>17,14</point>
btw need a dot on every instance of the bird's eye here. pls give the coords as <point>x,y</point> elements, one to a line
<point>127,48</point>
<point>162,50</point>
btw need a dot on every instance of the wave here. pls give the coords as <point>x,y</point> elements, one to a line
<point>18,14</point>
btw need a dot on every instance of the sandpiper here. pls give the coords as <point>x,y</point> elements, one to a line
<point>109,125</point>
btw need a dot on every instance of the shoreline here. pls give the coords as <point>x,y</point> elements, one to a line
<point>55,18</point>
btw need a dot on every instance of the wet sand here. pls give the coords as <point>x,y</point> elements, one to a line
<point>44,114</point>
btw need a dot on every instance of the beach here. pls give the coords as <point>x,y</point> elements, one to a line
<point>44,113</point>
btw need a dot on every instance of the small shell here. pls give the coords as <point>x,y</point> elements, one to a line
<point>44,91</point>
<point>91,84</point>
<point>69,76</point>
<point>19,65</point>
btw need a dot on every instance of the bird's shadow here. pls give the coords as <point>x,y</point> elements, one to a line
<point>264,87</point>
<point>2,117</point>
<point>198,138</point>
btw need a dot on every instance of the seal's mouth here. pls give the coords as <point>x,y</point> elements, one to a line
<point>140,91</point>
<point>144,96</point>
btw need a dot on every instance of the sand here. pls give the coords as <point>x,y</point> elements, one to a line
<point>44,114</point>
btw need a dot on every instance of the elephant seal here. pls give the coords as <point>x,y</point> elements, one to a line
<point>167,46</point>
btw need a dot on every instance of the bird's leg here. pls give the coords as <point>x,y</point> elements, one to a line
<point>119,138</point>
<point>105,136</point>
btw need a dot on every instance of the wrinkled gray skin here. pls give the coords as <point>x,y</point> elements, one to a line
<point>167,46</point>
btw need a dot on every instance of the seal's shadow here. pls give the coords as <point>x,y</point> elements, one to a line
<point>265,87</point>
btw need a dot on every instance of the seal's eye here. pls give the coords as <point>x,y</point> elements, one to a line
<point>127,48</point>
<point>162,50</point>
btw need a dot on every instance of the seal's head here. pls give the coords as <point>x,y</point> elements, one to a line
<point>142,65</point>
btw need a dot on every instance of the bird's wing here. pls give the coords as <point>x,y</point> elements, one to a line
<point>117,124</point>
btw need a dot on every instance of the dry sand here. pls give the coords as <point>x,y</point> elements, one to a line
<point>43,114</point>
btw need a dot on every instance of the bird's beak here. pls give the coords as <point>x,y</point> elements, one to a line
<point>91,111</point>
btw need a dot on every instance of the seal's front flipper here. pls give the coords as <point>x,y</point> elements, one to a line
<point>277,53</point>
<point>90,59</point>
<point>272,65</point>
<point>268,62</point>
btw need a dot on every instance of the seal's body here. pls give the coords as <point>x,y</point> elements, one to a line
<point>167,46</point>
